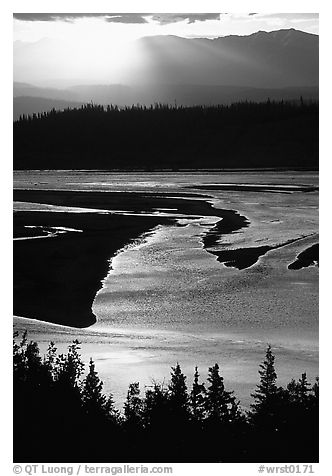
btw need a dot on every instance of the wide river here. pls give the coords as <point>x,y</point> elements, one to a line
<point>167,300</point>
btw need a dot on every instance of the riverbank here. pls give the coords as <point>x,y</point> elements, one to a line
<point>56,279</point>
<point>168,300</point>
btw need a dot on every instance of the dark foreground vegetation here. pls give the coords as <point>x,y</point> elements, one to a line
<point>242,135</point>
<point>61,417</point>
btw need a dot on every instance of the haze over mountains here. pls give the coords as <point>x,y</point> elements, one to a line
<point>279,65</point>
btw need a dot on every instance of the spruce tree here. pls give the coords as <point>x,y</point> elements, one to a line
<point>300,394</point>
<point>304,389</point>
<point>315,389</point>
<point>219,403</point>
<point>155,407</point>
<point>112,414</point>
<point>70,366</point>
<point>268,397</point>
<point>197,399</point>
<point>178,396</point>
<point>267,388</point>
<point>93,400</point>
<point>133,406</point>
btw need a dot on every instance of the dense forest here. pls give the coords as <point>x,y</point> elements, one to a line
<point>62,415</point>
<point>242,135</point>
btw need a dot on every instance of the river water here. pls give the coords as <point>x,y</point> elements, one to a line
<point>167,300</point>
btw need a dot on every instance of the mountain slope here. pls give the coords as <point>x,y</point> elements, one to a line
<point>277,59</point>
<point>278,65</point>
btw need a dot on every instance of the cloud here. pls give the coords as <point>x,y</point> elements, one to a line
<point>161,18</point>
<point>166,18</point>
<point>289,16</point>
<point>55,16</point>
<point>109,17</point>
<point>126,17</point>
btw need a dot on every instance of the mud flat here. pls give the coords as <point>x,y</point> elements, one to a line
<point>308,257</point>
<point>56,278</point>
<point>267,188</point>
<point>169,300</point>
<point>135,202</point>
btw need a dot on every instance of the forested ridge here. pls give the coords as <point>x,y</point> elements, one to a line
<point>242,135</point>
<point>62,415</point>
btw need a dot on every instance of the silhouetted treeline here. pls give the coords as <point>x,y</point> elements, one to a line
<point>246,134</point>
<point>61,417</point>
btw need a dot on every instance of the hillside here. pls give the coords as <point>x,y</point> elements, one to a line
<point>282,64</point>
<point>270,134</point>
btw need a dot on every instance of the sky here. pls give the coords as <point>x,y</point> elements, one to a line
<point>129,26</point>
<point>102,47</point>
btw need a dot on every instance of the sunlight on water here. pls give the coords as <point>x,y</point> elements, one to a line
<point>166,299</point>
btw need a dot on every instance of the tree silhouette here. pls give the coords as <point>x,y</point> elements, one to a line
<point>93,400</point>
<point>67,417</point>
<point>178,396</point>
<point>133,407</point>
<point>220,405</point>
<point>270,412</point>
<point>50,359</point>
<point>262,134</point>
<point>155,406</point>
<point>99,414</point>
<point>197,399</point>
<point>112,414</point>
<point>19,359</point>
<point>70,367</point>
<point>267,389</point>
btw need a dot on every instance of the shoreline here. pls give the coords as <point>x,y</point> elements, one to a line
<point>308,257</point>
<point>57,279</point>
<point>243,258</point>
<point>180,170</point>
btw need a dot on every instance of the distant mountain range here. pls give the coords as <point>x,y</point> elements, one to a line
<point>277,59</point>
<point>278,65</point>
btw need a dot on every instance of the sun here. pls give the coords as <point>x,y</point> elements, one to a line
<point>87,49</point>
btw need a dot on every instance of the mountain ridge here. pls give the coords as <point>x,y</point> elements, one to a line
<point>282,64</point>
